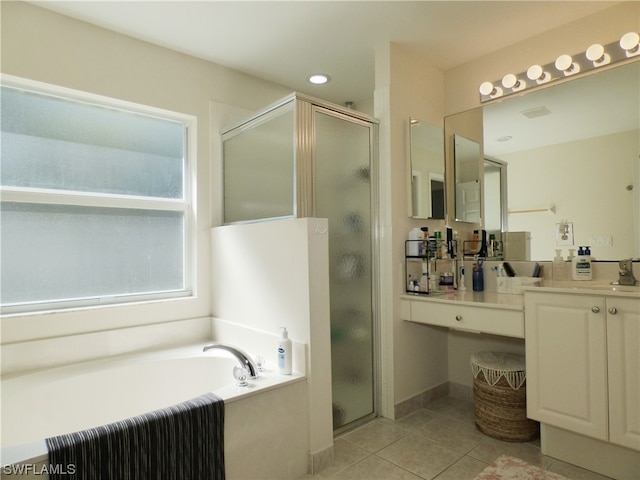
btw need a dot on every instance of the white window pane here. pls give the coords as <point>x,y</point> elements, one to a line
<point>54,143</point>
<point>52,252</point>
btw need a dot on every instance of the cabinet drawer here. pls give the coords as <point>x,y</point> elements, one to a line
<point>497,321</point>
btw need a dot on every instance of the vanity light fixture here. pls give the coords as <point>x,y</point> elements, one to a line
<point>487,89</point>
<point>512,82</point>
<point>318,78</point>
<point>630,43</point>
<point>537,73</point>
<point>597,55</point>
<point>566,65</point>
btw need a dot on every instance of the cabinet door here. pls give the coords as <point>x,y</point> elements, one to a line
<point>566,362</point>
<point>623,345</point>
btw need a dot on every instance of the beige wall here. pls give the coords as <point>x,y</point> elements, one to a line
<point>414,357</point>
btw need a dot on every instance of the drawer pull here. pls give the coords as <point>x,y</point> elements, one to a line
<point>458,318</point>
<point>613,310</point>
<point>595,309</point>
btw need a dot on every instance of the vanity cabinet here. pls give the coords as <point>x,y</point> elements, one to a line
<point>583,364</point>
<point>471,312</point>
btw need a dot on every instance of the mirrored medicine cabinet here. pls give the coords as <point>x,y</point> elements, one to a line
<point>572,152</point>
<point>426,148</point>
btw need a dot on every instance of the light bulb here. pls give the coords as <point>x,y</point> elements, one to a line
<point>565,64</point>
<point>629,42</point>
<point>597,55</point>
<point>488,90</point>
<point>511,81</point>
<point>537,73</point>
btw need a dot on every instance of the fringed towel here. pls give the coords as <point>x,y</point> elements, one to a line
<point>184,441</point>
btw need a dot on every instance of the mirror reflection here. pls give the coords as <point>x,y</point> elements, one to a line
<point>466,156</point>
<point>573,157</point>
<point>427,170</point>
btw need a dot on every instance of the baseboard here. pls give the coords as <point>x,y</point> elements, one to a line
<point>318,461</point>
<point>416,402</point>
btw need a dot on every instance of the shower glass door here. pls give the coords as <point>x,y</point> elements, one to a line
<point>342,193</point>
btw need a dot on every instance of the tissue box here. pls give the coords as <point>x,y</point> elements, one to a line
<point>515,285</point>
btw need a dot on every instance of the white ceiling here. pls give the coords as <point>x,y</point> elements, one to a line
<point>284,42</point>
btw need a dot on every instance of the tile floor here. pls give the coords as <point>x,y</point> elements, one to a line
<point>437,442</point>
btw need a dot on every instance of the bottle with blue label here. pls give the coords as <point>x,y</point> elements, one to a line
<point>284,353</point>
<point>581,264</point>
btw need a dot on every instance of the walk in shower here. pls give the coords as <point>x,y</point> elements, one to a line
<point>306,158</point>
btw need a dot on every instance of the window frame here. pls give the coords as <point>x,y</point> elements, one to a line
<point>186,204</point>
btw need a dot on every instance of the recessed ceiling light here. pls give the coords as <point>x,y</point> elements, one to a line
<point>318,78</point>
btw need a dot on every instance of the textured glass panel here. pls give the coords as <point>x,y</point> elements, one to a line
<point>52,252</point>
<point>53,143</point>
<point>343,195</point>
<point>259,171</point>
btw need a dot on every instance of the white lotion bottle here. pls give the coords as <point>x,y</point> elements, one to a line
<point>284,353</point>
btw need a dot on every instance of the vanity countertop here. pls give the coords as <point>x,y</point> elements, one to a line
<point>588,288</point>
<point>476,299</point>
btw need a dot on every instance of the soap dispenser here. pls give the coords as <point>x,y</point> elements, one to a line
<point>581,265</point>
<point>284,353</point>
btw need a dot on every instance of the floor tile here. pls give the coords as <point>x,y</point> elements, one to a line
<point>467,468</point>
<point>415,421</point>
<point>420,455</point>
<point>375,468</point>
<point>453,433</point>
<point>345,454</point>
<point>456,408</point>
<point>376,435</point>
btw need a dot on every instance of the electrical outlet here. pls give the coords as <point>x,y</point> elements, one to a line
<point>601,241</point>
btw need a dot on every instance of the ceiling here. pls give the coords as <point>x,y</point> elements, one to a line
<point>284,42</point>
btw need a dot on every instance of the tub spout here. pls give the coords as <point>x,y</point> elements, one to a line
<point>244,359</point>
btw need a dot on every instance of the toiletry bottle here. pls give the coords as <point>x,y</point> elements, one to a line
<point>413,250</point>
<point>475,245</point>
<point>425,243</point>
<point>461,285</point>
<point>478,277</point>
<point>438,236</point>
<point>491,246</point>
<point>558,270</point>
<point>284,353</point>
<point>581,266</point>
<point>424,283</point>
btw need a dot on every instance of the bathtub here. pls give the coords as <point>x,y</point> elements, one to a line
<point>45,403</point>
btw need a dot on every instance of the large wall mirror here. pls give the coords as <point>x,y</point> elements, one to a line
<point>573,156</point>
<point>427,170</point>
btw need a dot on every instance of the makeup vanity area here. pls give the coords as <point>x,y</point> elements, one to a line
<point>581,338</point>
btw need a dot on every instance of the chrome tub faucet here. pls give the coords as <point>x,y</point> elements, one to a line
<point>244,358</point>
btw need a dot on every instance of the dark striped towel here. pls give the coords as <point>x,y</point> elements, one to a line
<point>185,441</point>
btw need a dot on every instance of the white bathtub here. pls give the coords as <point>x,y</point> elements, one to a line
<point>61,400</point>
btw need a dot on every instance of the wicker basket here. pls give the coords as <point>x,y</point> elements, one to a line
<point>501,409</point>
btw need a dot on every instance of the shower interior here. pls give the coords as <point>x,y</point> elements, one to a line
<point>300,158</point>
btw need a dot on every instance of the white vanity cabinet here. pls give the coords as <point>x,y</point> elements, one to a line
<point>497,314</point>
<point>583,364</point>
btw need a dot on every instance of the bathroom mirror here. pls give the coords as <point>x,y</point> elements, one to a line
<point>494,177</point>
<point>573,155</point>
<point>426,149</point>
<point>467,156</point>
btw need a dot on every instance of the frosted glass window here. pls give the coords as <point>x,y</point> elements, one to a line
<point>259,170</point>
<point>54,143</point>
<point>94,203</point>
